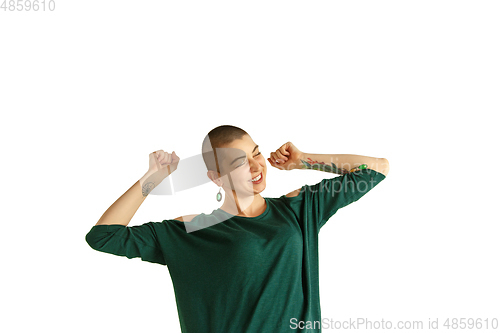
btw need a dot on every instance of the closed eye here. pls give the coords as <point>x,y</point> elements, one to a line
<point>242,164</point>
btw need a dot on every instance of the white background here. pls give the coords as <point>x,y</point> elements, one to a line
<point>89,90</point>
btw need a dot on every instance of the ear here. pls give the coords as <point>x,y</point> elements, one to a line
<point>214,177</point>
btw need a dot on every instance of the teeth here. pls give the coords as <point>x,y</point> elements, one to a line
<point>257,178</point>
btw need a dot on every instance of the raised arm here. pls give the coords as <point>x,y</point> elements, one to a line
<point>289,157</point>
<point>161,164</point>
<point>112,234</point>
<point>359,174</point>
<point>343,163</point>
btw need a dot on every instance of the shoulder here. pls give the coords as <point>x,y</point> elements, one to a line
<point>294,193</point>
<point>186,218</point>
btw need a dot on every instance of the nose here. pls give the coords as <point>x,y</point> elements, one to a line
<point>254,165</point>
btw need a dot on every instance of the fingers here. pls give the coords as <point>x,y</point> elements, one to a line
<point>157,163</point>
<point>278,157</point>
<point>281,156</point>
<point>175,158</point>
<point>275,164</point>
<point>159,154</point>
<point>164,158</point>
<point>275,159</point>
<point>283,150</point>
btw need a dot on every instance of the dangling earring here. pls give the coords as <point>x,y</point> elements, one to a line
<point>219,196</point>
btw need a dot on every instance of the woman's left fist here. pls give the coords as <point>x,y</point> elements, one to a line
<point>287,157</point>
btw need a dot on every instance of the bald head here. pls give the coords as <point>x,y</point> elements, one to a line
<point>219,137</point>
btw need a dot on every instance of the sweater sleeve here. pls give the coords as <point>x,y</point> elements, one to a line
<point>132,242</point>
<point>329,195</point>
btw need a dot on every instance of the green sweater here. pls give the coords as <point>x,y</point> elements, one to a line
<point>244,274</point>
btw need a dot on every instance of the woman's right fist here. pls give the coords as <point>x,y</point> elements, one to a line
<point>163,162</point>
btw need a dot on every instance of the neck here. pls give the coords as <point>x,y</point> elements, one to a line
<point>247,207</point>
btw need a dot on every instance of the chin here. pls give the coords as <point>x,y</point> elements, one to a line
<point>259,187</point>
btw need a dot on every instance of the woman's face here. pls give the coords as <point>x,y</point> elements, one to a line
<point>243,163</point>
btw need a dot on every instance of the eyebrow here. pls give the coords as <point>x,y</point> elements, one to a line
<point>237,158</point>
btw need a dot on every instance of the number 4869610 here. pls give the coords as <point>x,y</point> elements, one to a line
<point>28,5</point>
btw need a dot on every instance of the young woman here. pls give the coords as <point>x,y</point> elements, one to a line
<point>252,264</point>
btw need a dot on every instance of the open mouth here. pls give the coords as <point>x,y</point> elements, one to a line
<point>257,179</point>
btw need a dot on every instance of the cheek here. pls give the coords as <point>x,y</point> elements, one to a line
<point>243,172</point>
